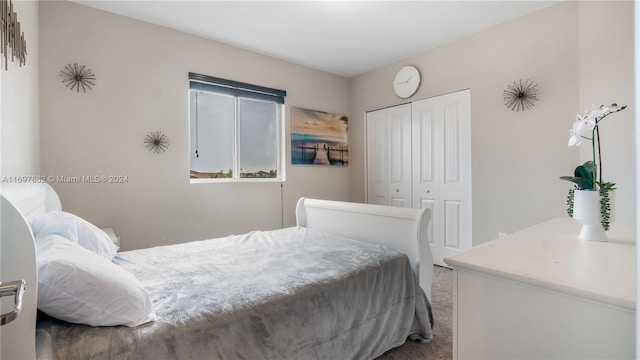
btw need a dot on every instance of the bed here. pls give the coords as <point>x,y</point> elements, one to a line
<point>350,281</point>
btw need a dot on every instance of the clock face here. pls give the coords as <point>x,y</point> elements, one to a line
<point>406,82</point>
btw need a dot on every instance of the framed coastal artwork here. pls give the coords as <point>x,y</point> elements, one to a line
<point>319,138</point>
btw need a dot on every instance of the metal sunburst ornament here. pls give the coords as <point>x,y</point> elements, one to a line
<point>521,95</point>
<point>156,141</point>
<point>78,76</point>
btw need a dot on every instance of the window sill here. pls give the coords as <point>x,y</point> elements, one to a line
<point>231,181</point>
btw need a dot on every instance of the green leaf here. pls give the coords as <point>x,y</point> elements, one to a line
<point>590,165</point>
<point>583,184</point>
<point>583,171</point>
<point>607,186</point>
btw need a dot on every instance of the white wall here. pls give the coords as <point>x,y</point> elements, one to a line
<point>20,124</point>
<point>606,76</point>
<point>142,86</point>
<point>517,156</point>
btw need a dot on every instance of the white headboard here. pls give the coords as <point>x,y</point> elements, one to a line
<point>19,204</point>
<point>404,229</point>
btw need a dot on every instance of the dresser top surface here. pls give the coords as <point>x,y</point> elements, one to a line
<point>550,255</point>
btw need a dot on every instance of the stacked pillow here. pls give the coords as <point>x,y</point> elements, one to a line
<point>77,230</point>
<point>77,282</point>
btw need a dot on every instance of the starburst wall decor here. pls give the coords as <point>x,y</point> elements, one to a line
<point>78,76</point>
<point>156,142</point>
<point>521,95</point>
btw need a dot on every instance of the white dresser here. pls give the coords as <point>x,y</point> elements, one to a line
<point>542,293</point>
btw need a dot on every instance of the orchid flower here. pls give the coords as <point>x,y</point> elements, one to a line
<point>582,124</point>
<point>599,111</point>
<point>589,123</point>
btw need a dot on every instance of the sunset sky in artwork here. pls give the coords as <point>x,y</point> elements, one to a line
<point>319,124</point>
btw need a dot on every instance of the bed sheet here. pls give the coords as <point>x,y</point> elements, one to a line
<point>292,293</point>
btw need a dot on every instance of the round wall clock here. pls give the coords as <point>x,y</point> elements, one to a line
<point>406,82</point>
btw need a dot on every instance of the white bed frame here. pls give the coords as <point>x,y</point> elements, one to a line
<point>403,229</point>
<point>400,228</point>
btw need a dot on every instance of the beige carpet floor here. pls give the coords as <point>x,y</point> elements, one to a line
<point>441,347</point>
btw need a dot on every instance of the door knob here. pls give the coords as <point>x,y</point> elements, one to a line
<point>17,289</point>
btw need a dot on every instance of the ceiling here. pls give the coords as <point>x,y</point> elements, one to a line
<point>346,38</point>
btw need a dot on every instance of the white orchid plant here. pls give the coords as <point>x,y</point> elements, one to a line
<point>588,176</point>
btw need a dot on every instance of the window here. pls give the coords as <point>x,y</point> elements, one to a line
<point>236,130</point>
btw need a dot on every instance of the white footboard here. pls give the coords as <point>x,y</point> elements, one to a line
<point>401,228</point>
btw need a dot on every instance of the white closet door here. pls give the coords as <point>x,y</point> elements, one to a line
<point>442,169</point>
<point>455,188</point>
<point>399,149</point>
<point>427,147</point>
<point>389,156</point>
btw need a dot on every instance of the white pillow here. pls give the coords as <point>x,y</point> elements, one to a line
<point>78,286</point>
<point>77,230</point>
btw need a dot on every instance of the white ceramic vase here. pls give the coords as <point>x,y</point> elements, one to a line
<point>586,209</point>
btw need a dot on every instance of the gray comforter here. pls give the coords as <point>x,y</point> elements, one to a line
<point>285,294</point>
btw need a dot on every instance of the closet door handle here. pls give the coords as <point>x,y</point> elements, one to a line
<point>16,288</point>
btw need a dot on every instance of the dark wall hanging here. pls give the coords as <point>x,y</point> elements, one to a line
<point>12,37</point>
<point>156,141</point>
<point>521,95</point>
<point>77,76</point>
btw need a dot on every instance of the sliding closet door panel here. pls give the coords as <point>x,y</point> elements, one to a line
<point>425,164</point>
<point>389,156</point>
<point>399,118</point>
<point>455,188</point>
<point>426,144</point>
<point>377,174</point>
<point>451,193</point>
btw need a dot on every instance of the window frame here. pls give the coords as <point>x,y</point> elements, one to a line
<point>239,90</point>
